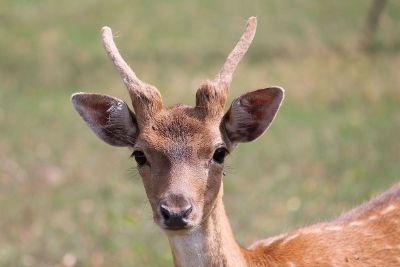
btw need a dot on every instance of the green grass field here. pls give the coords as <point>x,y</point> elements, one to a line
<point>67,199</point>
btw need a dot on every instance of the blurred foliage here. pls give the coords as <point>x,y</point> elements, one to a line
<point>66,199</point>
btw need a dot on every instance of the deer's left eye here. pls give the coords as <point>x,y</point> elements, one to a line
<point>220,154</point>
<point>139,157</point>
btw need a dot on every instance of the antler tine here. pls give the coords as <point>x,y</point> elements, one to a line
<point>224,77</point>
<point>146,99</point>
<point>212,95</point>
<point>128,76</point>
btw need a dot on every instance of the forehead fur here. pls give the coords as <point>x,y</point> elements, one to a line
<point>180,126</point>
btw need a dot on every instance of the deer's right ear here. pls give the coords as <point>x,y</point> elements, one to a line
<point>110,118</point>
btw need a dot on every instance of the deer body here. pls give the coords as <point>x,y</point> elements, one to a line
<point>365,236</point>
<point>180,154</point>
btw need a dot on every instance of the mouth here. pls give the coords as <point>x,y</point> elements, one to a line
<point>175,228</point>
<point>188,226</point>
<point>180,227</point>
<point>179,231</point>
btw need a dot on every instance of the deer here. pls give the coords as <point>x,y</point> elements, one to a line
<point>180,152</point>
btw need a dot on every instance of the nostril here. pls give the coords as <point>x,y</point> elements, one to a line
<point>186,212</point>
<point>165,212</point>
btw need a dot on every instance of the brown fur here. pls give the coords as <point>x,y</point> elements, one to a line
<point>365,236</point>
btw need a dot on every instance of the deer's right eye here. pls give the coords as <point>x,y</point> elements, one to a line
<point>139,157</point>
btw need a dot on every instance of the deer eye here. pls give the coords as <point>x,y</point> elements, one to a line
<point>139,157</point>
<point>220,154</point>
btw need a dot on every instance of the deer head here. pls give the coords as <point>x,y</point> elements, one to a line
<point>180,150</point>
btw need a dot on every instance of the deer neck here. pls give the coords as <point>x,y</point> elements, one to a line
<point>210,244</point>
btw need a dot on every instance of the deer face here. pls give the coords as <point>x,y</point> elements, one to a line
<point>180,151</point>
<point>174,154</point>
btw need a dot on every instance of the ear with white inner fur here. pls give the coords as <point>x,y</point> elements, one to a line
<point>110,118</point>
<point>251,114</point>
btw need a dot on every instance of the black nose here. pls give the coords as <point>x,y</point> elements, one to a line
<point>175,210</point>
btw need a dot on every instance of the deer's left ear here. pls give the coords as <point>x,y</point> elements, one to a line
<point>251,114</point>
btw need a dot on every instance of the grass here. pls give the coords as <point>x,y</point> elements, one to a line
<point>68,199</point>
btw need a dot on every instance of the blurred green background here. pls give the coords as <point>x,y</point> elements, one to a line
<point>67,199</point>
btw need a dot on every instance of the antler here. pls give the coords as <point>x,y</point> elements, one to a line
<point>146,99</point>
<point>212,95</point>
<point>224,77</point>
